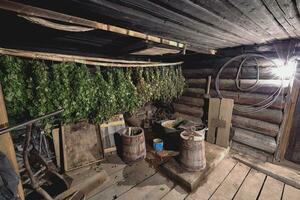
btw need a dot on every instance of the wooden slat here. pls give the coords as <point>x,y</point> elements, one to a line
<point>226,10</point>
<point>48,14</point>
<point>290,193</point>
<point>232,183</point>
<point>124,180</point>
<point>56,143</point>
<point>154,187</point>
<point>272,189</point>
<point>213,113</point>
<point>260,15</point>
<point>251,186</point>
<point>225,114</point>
<point>213,180</point>
<point>209,17</point>
<point>177,193</point>
<point>284,174</point>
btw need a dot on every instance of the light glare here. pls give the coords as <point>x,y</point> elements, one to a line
<point>284,70</point>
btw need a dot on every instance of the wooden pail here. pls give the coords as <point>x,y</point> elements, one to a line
<point>133,145</point>
<point>192,153</point>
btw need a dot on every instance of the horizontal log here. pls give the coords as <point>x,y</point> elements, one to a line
<point>256,153</point>
<point>268,115</point>
<point>256,140</point>
<point>245,98</point>
<point>265,128</point>
<point>198,83</point>
<point>253,98</point>
<point>194,92</point>
<point>205,72</point>
<point>188,117</point>
<point>225,94</point>
<point>190,110</point>
<point>231,72</point>
<point>199,102</point>
<point>263,86</point>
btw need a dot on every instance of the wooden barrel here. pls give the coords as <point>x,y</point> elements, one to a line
<point>133,144</point>
<point>192,153</point>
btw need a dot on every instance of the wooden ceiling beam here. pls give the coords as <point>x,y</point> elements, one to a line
<point>84,60</point>
<point>31,11</point>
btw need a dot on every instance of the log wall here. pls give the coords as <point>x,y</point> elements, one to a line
<point>253,133</point>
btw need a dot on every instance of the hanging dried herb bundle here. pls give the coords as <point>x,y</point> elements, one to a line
<point>43,88</point>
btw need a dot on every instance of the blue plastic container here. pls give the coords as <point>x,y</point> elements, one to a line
<point>158,144</point>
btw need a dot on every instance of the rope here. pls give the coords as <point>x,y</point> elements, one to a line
<point>257,107</point>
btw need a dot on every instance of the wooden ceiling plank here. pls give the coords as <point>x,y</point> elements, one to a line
<point>256,11</point>
<point>152,23</point>
<point>199,13</point>
<point>164,13</point>
<point>280,16</point>
<point>229,12</point>
<point>291,14</point>
<point>162,29</point>
<point>44,13</point>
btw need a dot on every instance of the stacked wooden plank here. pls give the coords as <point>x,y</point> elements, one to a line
<point>255,133</point>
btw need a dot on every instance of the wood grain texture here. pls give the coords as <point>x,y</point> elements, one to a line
<point>251,186</point>
<point>124,180</point>
<point>81,145</point>
<point>177,193</point>
<point>225,114</point>
<point>290,193</point>
<point>191,101</point>
<point>232,183</point>
<point>284,174</point>
<point>208,187</point>
<point>6,143</point>
<point>256,140</point>
<point>213,113</point>
<point>154,187</point>
<point>248,150</point>
<point>272,189</point>
<point>265,128</point>
<point>190,110</point>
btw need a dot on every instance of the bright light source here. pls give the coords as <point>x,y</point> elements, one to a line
<point>287,70</point>
<point>213,52</point>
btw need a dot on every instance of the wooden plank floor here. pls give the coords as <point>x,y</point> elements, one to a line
<point>229,180</point>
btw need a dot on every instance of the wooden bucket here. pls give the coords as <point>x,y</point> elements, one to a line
<point>192,154</point>
<point>133,146</point>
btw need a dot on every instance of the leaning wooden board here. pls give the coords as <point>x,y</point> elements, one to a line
<point>81,145</point>
<point>219,121</point>
<point>108,129</point>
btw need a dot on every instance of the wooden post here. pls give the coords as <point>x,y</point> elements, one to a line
<point>6,143</point>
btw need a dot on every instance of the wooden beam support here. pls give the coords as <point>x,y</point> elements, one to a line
<point>31,11</point>
<point>105,62</point>
<point>6,143</point>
